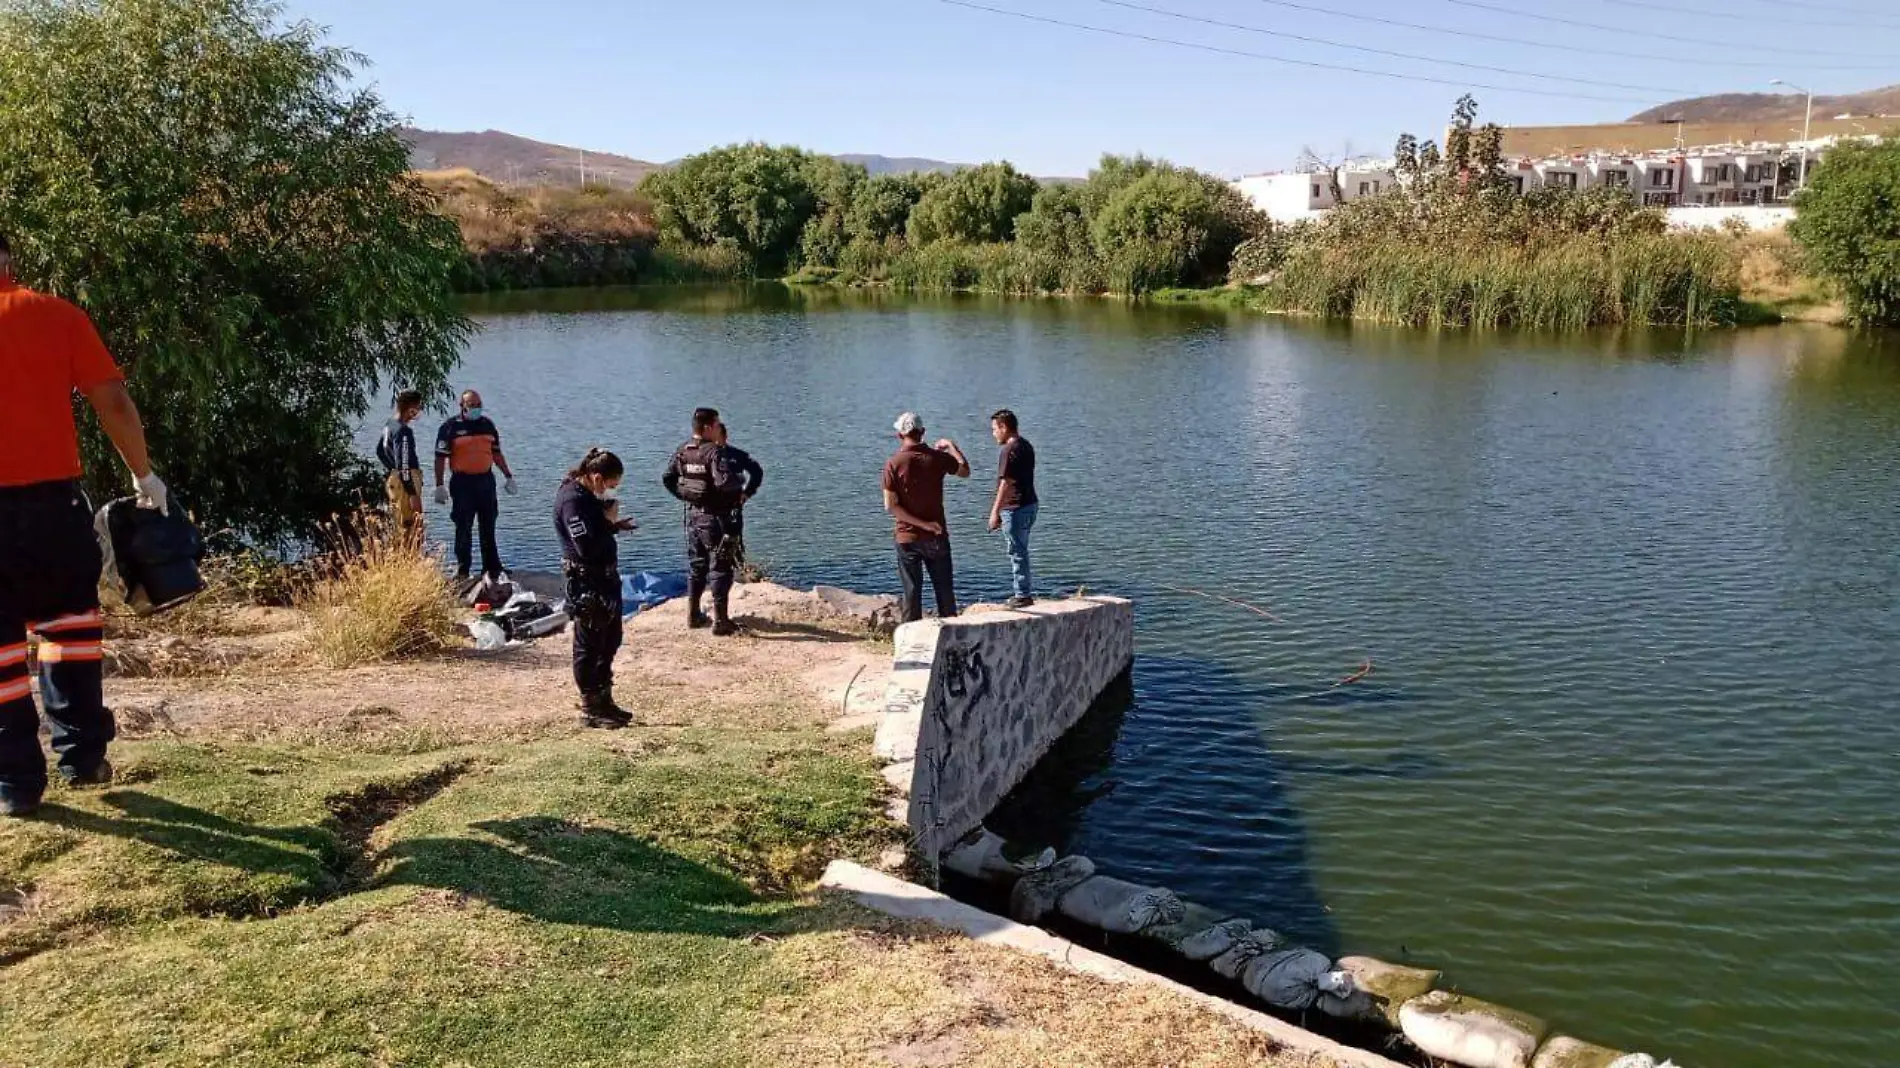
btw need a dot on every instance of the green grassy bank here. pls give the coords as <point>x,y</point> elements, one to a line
<point>550,902</point>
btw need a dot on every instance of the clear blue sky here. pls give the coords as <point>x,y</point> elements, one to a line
<point>657,79</point>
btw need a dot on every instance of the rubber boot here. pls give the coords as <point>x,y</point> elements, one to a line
<point>695,615</point>
<point>599,711</point>
<point>723,626</point>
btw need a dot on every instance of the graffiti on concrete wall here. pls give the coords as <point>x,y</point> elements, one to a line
<point>1002,690</point>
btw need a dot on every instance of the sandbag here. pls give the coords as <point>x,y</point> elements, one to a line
<point>1035,896</point>
<point>1255,943</point>
<point>1386,986</point>
<point>984,855</point>
<point>1288,978</point>
<point>1566,1052</point>
<point>1195,919</point>
<point>1215,940</point>
<point>1470,1032</point>
<point>1119,907</point>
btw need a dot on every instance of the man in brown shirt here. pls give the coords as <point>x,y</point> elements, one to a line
<point>913,494</point>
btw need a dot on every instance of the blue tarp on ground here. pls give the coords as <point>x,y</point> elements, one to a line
<point>645,589</point>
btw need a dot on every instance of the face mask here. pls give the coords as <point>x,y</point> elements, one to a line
<point>609,493</point>
<point>473,413</point>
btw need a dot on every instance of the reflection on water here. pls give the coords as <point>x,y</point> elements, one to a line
<point>1628,756</point>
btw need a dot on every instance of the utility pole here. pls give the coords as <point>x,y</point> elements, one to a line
<point>1807,125</point>
<point>583,153</point>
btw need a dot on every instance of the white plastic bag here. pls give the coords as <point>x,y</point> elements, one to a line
<point>488,636</point>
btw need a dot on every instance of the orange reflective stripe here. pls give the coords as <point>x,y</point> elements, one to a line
<point>14,691</point>
<point>72,622</point>
<point>77,652</point>
<point>12,654</point>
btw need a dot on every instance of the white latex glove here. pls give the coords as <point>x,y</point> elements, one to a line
<point>509,486</point>
<point>152,493</point>
<point>441,495</point>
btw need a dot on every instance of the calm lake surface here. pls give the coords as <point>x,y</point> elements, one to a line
<point>1630,753</point>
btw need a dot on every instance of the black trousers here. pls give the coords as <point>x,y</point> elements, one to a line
<point>49,584</point>
<point>711,561</point>
<point>594,605</point>
<point>473,501</point>
<point>913,559</point>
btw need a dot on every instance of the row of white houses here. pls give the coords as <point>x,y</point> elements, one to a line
<point>1727,176</point>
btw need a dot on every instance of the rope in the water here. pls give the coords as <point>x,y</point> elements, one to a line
<point>1255,609</point>
<point>1364,669</point>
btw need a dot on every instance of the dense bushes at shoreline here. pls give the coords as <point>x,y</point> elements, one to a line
<point>1453,245</point>
<point>1133,226</point>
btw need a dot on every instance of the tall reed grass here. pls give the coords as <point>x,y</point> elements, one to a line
<point>1569,283</point>
<point>383,597</point>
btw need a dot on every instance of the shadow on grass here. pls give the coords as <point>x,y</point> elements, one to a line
<point>544,868</point>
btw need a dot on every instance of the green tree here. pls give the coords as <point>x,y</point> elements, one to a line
<point>882,207</point>
<point>974,205</point>
<point>752,198</point>
<point>835,187</point>
<point>1156,224</point>
<point>238,219</point>
<point>1847,223</point>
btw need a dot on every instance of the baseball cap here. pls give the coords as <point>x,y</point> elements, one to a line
<point>909,423</point>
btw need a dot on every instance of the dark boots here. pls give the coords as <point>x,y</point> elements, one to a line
<point>695,593</point>
<point>723,626</point>
<point>599,711</point>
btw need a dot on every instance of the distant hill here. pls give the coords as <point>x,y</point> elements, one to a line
<point>504,157</point>
<point>1762,107</point>
<point>510,159</point>
<point>901,164</point>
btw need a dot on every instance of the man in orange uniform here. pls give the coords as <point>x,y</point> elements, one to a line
<point>469,446</point>
<point>49,556</point>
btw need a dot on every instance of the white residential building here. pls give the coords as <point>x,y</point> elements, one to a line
<point>1658,181</point>
<point>1296,195</point>
<point>1288,197</point>
<point>1712,176</point>
<point>1572,174</point>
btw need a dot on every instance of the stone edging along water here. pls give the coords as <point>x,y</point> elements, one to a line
<point>973,703</point>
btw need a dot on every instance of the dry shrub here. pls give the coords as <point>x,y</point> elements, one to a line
<point>384,598</point>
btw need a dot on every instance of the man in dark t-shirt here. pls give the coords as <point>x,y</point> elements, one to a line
<point>1014,510</point>
<point>913,494</point>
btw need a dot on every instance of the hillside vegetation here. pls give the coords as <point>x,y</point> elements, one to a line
<point>1757,107</point>
<point>544,236</point>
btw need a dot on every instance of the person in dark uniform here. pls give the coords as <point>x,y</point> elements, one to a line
<point>49,557</point>
<point>586,516</point>
<point>715,479</point>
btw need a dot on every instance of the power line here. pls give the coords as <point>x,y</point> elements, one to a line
<point>1708,13</point>
<point>1386,52</point>
<point>1703,42</point>
<point>1676,60</point>
<point>1313,64</point>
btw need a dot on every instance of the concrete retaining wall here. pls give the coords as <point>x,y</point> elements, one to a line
<point>974,702</point>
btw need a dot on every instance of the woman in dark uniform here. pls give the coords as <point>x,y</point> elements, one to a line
<point>587,519</point>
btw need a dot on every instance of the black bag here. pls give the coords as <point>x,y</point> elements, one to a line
<point>153,554</point>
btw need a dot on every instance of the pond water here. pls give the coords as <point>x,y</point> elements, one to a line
<point>1629,754</point>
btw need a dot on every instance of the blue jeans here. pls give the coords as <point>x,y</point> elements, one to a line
<point>1017,523</point>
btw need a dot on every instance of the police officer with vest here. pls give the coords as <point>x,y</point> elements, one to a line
<point>715,479</point>
<point>587,519</point>
<point>49,557</point>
